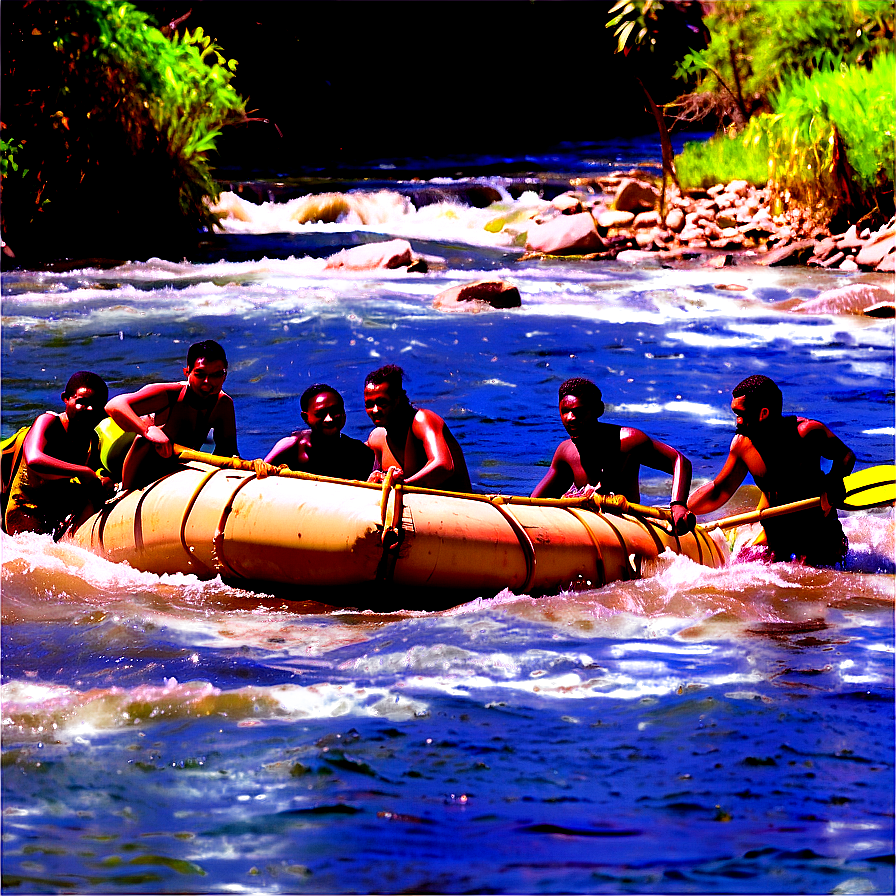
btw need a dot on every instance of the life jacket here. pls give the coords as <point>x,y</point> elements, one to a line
<point>10,460</point>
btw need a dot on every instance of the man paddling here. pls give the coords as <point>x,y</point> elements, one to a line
<point>608,457</point>
<point>415,443</point>
<point>58,476</point>
<point>322,449</point>
<point>783,455</point>
<point>165,414</point>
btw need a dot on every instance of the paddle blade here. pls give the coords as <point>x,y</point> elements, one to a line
<point>874,487</point>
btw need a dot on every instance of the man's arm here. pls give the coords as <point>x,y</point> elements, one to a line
<point>274,456</point>
<point>429,428</point>
<point>558,478</point>
<point>127,410</point>
<point>659,456</point>
<point>714,494</point>
<point>34,450</point>
<point>834,449</point>
<point>375,443</point>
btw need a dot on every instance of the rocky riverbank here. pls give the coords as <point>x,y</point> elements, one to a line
<point>621,216</point>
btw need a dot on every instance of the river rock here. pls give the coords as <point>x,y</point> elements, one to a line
<point>478,295</point>
<point>384,254</point>
<point>854,299</point>
<point>566,234</point>
<point>791,253</point>
<point>567,204</point>
<point>608,220</point>
<point>635,196</point>
<point>675,220</point>
<point>873,253</point>
<point>646,219</point>
<point>888,264</point>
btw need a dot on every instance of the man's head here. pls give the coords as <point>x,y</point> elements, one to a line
<point>580,405</point>
<point>323,410</point>
<point>85,398</point>
<point>206,368</point>
<point>384,394</point>
<point>755,400</point>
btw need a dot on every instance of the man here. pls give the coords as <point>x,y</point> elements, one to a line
<point>609,457</point>
<point>783,455</point>
<point>416,444</point>
<point>164,414</point>
<point>57,478</point>
<point>322,449</point>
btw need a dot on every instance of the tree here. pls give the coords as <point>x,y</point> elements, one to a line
<point>107,128</point>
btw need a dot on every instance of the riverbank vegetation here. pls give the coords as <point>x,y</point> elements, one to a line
<point>803,94</point>
<point>107,127</point>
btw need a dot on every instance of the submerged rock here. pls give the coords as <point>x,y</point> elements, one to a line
<point>859,298</point>
<point>478,295</point>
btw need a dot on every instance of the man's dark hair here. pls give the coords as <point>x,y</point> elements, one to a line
<point>393,376</point>
<point>208,349</point>
<point>759,392</point>
<point>315,390</point>
<point>585,390</point>
<point>87,380</point>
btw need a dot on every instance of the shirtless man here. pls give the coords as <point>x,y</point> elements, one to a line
<point>164,414</point>
<point>609,457</point>
<point>322,449</point>
<point>415,443</point>
<point>783,455</point>
<point>58,449</point>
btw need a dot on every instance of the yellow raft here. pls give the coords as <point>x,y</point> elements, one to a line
<point>422,548</point>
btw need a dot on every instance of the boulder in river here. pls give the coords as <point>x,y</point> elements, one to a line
<point>565,234</point>
<point>635,196</point>
<point>478,295</point>
<point>384,254</point>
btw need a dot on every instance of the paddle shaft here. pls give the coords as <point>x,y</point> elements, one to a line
<point>757,516</point>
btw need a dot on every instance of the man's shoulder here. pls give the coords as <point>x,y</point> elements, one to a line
<point>806,426</point>
<point>425,416</point>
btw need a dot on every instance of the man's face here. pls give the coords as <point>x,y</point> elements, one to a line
<point>206,377</point>
<point>747,419</point>
<point>378,403</point>
<point>577,417</point>
<point>84,408</point>
<point>325,414</point>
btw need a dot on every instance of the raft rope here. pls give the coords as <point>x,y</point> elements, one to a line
<point>393,533</point>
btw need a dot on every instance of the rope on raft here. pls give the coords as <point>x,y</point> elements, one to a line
<point>588,500</point>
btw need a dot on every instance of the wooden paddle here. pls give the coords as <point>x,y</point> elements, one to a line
<point>874,487</point>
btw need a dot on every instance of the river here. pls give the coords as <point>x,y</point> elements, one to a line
<point>698,731</point>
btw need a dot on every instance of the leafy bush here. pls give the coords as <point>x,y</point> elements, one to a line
<point>757,46</point>
<point>828,142</point>
<point>111,123</point>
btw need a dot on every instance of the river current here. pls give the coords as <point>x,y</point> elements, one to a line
<point>698,731</point>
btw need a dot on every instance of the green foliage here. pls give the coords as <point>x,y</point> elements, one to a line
<point>8,163</point>
<point>757,46</point>
<point>815,121</point>
<point>828,141</point>
<point>726,157</point>
<point>636,24</point>
<point>100,105</point>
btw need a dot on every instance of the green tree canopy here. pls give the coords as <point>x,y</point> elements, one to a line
<point>107,124</point>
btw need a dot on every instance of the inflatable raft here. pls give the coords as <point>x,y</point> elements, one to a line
<point>421,548</point>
